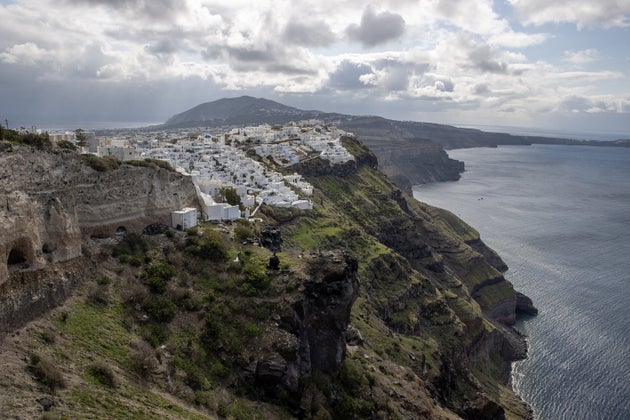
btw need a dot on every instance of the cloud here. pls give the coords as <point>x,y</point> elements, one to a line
<point>483,58</point>
<point>517,39</point>
<point>583,13</point>
<point>310,33</point>
<point>350,76</point>
<point>481,89</point>
<point>154,9</point>
<point>25,54</point>
<point>582,56</point>
<point>400,57</point>
<point>376,28</point>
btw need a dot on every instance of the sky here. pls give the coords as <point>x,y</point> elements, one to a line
<point>548,64</point>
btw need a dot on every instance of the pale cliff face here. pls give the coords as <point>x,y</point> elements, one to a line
<point>49,202</point>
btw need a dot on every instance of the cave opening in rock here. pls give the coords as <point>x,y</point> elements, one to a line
<point>16,257</point>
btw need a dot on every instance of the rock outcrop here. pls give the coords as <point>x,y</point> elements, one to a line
<point>51,203</point>
<point>314,327</point>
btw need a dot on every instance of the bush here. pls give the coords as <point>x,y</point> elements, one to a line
<point>157,285</point>
<point>155,335</point>
<point>46,373</point>
<point>151,163</point>
<point>209,248</point>
<point>162,270</point>
<point>98,295</point>
<point>65,144</point>
<point>103,374</point>
<point>103,280</point>
<point>195,379</point>
<point>38,141</point>
<point>104,164</point>
<point>131,244</point>
<point>243,231</point>
<point>157,276</point>
<point>160,308</point>
<point>141,362</point>
<point>48,336</point>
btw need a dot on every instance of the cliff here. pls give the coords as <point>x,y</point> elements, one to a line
<point>52,203</point>
<point>370,305</point>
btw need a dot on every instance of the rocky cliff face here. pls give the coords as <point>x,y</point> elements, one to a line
<point>435,277</point>
<point>52,202</point>
<point>406,158</point>
<point>313,328</point>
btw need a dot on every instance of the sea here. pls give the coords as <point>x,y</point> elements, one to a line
<point>560,218</point>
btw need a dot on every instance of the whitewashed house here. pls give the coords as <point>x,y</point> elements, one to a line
<point>185,218</point>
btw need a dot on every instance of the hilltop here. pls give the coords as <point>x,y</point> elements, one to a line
<point>238,111</point>
<point>376,306</point>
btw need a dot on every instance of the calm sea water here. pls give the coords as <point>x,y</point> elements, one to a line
<point>560,218</point>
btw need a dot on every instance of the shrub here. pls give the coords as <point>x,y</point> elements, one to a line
<point>104,164</point>
<point>151,163</point>
<point>63,317</point>
<point>65,144</point>
<point>103,374</point>
<point>209,248</point>
<point>48,336</point>
<point>155,335</point>
<point>223,410</point>
<point>141,361</point>
<point>98,295</point>
<point>156,284</point>
<point>38,141</point>
<point>243,231</point>
<point>160,269</point>
<point>46,373</point>
<point>157,276</point>
<point>103,280</point>
<point>195,379</point>
<point>131,244</point>
<point>160,308</point>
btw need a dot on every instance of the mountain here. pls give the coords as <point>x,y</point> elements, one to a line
<point>237,111</point>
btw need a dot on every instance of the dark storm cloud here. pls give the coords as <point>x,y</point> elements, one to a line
<point>346,76</point>
<point>156,9</point>
<point>482,58</point>
<point>309,34</point>
<point>266,57</point>
<point>376,28</point>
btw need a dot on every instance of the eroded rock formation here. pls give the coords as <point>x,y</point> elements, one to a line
<point>51,203</point>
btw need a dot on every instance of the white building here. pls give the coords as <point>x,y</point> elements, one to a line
<point>184,219</point>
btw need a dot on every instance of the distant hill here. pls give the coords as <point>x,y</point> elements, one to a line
<point>410,152</point>
<point>238,111</point>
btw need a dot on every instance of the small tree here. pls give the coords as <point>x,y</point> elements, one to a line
<point>231,196</point>
<point>81,137</point>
